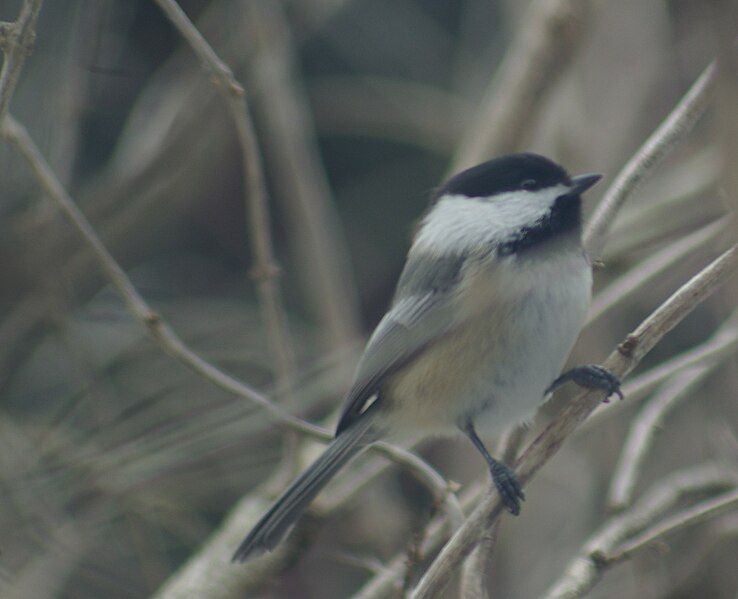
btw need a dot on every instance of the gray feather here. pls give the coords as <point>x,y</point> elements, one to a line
<point>421,311</point>
<point>290,505</point>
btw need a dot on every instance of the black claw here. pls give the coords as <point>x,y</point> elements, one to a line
<point>591,376</point>
<point>508,486</point>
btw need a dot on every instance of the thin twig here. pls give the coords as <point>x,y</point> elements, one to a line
<point>585,569</point>
<point>687,517</point>
<point>429,476</point>
<point>290,140</point>
<point>550,33</point>
<point>642,433</point>
<point>390,579</point>
<point>18,42</point>
<point>620,362</point>
<point>675,128</point>
<point>265,271</point>
<point>627,284</point>
<point>136,305</point>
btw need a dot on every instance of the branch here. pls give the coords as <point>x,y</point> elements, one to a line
<point>642,433</point>
<point>551,31</point>
<point>585,569</point>
<point>302,182</point>
<point>388,581</point>
<point>687,517</point>
<point>18,39</point>
<point>643,272</point>
<point>620,362</point>
<point>674,129</point>
<point>265,270</point>
<point>710,354</point>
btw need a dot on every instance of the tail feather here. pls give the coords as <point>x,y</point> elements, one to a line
<point>287,509</point>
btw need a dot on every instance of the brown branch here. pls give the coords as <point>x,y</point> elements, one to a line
<point>388,581</point>
<point>714,506</point>
<point>645,271</point>
<point>156,328</point>
<point>628,354</point>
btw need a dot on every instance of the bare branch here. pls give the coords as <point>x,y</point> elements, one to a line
<point>620,362</point>
<point>290,139</point>
<point>17,44</point>
<point>162,333</point>
<point>675,127</point>
<point>388,581</point>
<point>696,513</point>
<point>6,35</point>
<point>157,329</point>
<point>552,31</point>
<point>210,574</point>
<point>642,432</point>
<point>585,569</point>
<point>633,280</point>
<point>711,354</point>
<point>265,270</point>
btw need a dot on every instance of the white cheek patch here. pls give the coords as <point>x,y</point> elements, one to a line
<point>457,224</point>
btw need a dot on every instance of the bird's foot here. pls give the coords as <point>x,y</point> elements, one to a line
<point>590,376</point>
<point>508,486</point>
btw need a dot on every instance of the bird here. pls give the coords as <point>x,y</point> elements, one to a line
<point>493,294</point>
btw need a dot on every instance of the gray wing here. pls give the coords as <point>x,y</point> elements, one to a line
<point>421,311</point>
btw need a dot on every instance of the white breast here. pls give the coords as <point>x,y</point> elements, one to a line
<point>496,367</point>
<point>535,339</point>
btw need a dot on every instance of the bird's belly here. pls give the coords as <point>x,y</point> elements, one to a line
<point>495,368</point>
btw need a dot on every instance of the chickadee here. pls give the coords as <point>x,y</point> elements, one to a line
<point>493,294</point>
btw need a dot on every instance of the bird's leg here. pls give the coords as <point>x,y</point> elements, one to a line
<point>503,477</point>
<point>590,376</point>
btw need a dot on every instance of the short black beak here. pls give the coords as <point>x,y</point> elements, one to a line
<point>582,183</point>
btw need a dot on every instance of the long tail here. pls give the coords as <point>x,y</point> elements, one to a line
<point>287,509</point>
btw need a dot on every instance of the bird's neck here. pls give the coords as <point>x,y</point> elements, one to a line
<point>563,220</point>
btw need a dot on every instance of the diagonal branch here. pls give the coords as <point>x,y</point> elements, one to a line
<point>162,334</point>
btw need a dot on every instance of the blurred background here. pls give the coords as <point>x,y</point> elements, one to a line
<point>117,462</point>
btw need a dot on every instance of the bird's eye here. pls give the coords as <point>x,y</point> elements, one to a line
<point>529,184</point>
